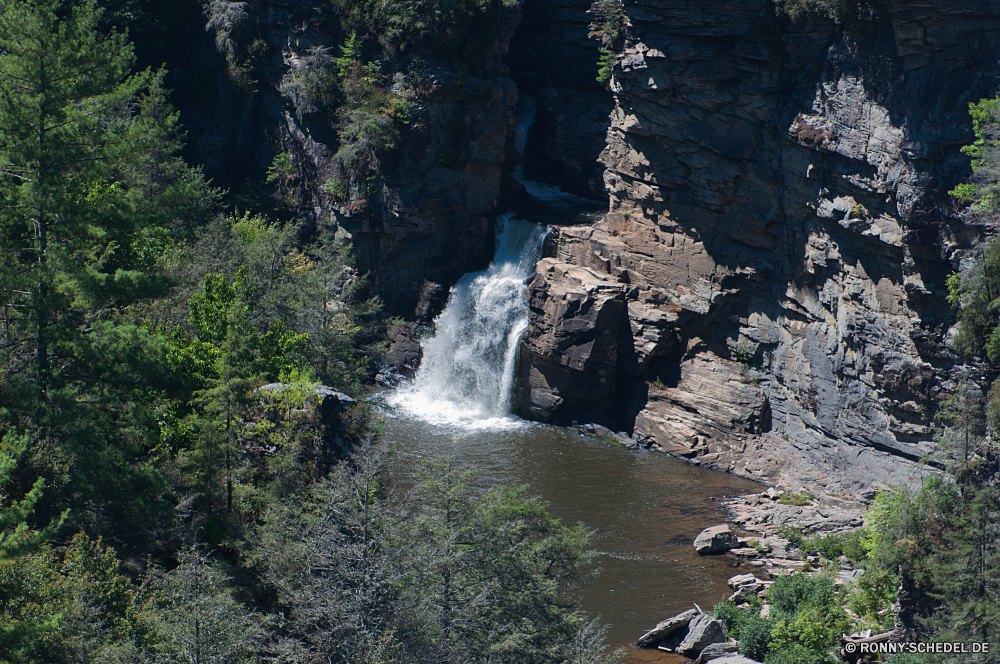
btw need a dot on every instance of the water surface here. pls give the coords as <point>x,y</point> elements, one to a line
<point>646,508</point>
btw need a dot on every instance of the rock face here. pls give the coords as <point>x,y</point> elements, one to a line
<point>766,294</point>
<point>426,219</point>
<point>553,61</point>
<point>702,631</point>
<point>666,629</point>
<point>715,651</point>
<point>717,539</point>
<point>734,659</point>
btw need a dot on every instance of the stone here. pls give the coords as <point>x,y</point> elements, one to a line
<point>742,580</point>
<point>714,651</point>
<point>703,630</point>
<point>716,539</point>
<point>734,659</point>
<point>666,628</point>
<point>778,238</point>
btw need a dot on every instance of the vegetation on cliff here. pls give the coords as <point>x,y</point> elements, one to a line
<point>157,505</point>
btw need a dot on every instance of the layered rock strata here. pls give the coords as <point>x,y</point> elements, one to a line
<point>766,293</point>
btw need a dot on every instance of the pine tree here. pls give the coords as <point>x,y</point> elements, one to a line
<point>92,196</point>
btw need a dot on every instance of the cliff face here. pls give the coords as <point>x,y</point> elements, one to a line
<point>426,219</point>
<point>767,291</point>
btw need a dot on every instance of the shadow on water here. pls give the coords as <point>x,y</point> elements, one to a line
<point>646,509</point>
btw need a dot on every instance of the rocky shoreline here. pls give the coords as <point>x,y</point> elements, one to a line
<point>760,549</point>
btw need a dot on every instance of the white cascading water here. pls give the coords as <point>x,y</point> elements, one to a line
<point>467,370</point>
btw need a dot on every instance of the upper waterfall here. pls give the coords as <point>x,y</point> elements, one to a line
<point>466,374</point>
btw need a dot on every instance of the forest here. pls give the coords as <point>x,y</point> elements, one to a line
<point>174,483</point>
<point>156,504</point>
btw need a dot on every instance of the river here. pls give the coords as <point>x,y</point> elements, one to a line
<point>646,508</point>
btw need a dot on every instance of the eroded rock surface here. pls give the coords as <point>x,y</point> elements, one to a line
<point>716,539</point>
<point>777,242</point>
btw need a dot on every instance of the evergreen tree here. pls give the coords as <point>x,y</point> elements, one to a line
<point>92,196</point>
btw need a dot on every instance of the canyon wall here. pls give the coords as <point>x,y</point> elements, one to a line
<point>766,294</point>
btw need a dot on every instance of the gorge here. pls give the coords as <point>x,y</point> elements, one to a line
<point>766,293</point>
<point>360,330</point>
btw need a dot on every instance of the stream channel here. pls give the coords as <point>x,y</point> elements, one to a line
<point>645,507</point>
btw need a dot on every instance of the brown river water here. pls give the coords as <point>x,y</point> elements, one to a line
<point>646,509</point>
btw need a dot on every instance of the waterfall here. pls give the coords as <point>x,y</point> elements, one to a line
<point>527,108</point>
<point>525,118</point>
<point>467,371</point>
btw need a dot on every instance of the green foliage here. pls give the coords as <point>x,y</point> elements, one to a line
<point>797,499</point>
<point>16,537</point>
<point>964,420</point>
<point>755,636</point>
<point>793,535</point>
<point>808,618</point>
<point>605,63</point>
<point>832,546</point>
<point>977,293</point>
<point>452,575</point>
<point>70,607</point>
<point>280,168</point>
<point>872,598</point>
<point>614,21</point>
<point>984,189</point>
<point>838,10</point>
<point>791,593</point>
<point>195,616</point>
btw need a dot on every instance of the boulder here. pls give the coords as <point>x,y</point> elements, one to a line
<point>742,580</point>
<point>714,651</point>
<point>734,659</point>
<point>666,629</point>
<point>702,631</point>
<point>717,539</point>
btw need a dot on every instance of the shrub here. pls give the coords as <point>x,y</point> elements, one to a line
<point>792,593</point>
<point>838,10</point>
<point>746,625</point>
<point>605,63</point>
<point>793,535</point>
<point>614,20</point>
<point>795,655</point>
<point>833,546</point>
<point>872,596</point>
<point>796,499</point>
<point>754,637</point>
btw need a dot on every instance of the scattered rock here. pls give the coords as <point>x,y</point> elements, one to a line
<point>666,628</point>
<point>702,631</point>
<point>742,580</point>
<point>714,651</point>
<point>717,539</point>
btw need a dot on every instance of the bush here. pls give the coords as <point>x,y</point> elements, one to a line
<point>745,625</point>
<point>873,594</point>
<point>796,499</point>
<point>605,63</point>
<point>835,545</point>
<point>838,10</point>
<point>793,535</point>
<point>795,655</point>
<point>792,593</point>
<point>754,636</point>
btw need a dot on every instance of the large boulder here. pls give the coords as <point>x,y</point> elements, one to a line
<point>702,631</point>
<point>717,539</point>
<point>715,651</point>
<point>666,629</point>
